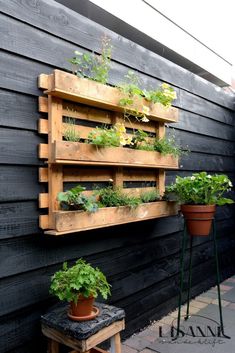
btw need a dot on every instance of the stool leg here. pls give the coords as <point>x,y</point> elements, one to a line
<point>115,344</point>
<point>53,346</point>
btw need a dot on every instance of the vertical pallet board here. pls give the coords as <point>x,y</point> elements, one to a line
<point>79,162</point>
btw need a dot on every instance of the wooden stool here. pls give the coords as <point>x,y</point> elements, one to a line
<point>83,336</point>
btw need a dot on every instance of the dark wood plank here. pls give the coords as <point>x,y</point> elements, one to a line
<point>62,22</point>
<point>205,126</point>
<point>18,110</point>
<point>18,183</point>
<point>185,101</point>
<point>16,293</point>
<point>18,218</point>
<point>19,147</point>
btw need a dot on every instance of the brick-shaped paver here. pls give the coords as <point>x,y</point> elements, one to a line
<point>148,335</point>
<point>127,349</point>
<point>224,303</point>
<point>204,299</point>
<point>197,304</point>
<point>225,288</point>
<point>136,342</point>
<point>231,306</point>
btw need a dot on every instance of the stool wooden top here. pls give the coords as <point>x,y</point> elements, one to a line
<point>56,318</point>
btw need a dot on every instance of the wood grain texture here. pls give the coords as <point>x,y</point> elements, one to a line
<point>104,217</point>
<point>75,152</point>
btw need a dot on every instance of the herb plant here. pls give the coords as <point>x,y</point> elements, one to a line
<point>94,67</point>
<point>114,197</point>
<point>201,189</point>
<point>149,196</point>
<point>73,199</point>
<point>70,133</point>
<point>81,278</point>
<point>167,145</point>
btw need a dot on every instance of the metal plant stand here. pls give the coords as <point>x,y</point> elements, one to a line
<point>182,257</point>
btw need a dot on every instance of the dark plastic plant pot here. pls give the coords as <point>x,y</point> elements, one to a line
<point>198,218</point>
<point>83,307</point>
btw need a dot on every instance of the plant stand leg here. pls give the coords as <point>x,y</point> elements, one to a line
<point>181,279</point>
<point>189,276</point>
<point>218,280</point>
<point>53,346</point>
<point>115,344</point>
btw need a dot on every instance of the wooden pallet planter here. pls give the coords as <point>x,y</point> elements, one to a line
<point>83,153</point>
<point>68,86</point>
<point>67,221</point>
<point>79,162</point>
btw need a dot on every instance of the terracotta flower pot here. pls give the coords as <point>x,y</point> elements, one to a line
<point>83,307</point>
<point>198,218</point>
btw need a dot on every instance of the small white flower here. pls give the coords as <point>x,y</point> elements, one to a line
<point>209,176</point>
<point>111,180</point>
<point>145,119</point>
<point>193,177</point>
<point>230,184</point>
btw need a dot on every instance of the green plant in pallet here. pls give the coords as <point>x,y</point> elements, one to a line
<point>114,197</point>
<point>94,67</point>
<point>109,136</point>
<point>74,199</point>
<point>149,196</point>
<point>70,132</point>
<point>133,95</point>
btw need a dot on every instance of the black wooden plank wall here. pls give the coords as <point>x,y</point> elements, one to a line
<point>141,261</point>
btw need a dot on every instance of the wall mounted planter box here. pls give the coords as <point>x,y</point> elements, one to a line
<point>75,221</point>
<point>71,87</point>
<point>91,104</point>
<point>83,153</point>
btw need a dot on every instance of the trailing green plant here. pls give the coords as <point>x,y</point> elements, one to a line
<point>114,197</point>
<point>74,199</point>
<point>70,133</point>
<point>91,66</point>
<point>149,196</point>
<point>133,95</point>
<point>200,189</point>
<point>112,136</point>
<point>81,278</point>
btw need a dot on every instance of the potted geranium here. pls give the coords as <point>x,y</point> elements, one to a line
<point>198,195</point>
<point>80,285</point>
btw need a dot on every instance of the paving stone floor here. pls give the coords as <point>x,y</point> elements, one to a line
<point>200,331</point>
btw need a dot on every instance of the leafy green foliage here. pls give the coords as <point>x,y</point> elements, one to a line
<point>106,137</point>
<point>149,196</point>
<point>201,189</point>
<point>94,67</point>
<point>114,197</point>
<point>81,279</point>
<point>168,146</point>
<point>73,199</point>
<point>133,95</point>
<point>70,133</point>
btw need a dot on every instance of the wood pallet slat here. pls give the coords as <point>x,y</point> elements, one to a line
<point>68,86</point>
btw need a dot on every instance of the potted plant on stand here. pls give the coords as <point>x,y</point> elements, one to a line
<point>198,195</point>
<point>80,285</point>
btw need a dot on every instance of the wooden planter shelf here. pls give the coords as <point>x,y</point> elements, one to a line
<point>83,153</point>
<point>68,86</point>
<point>91,104</point>
<point>76,221</point>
